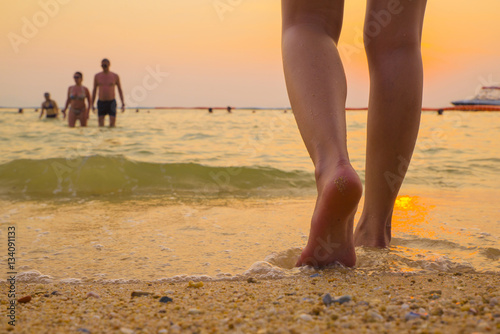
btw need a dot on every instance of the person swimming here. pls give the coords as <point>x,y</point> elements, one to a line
<point>77,94</point>
<point>49,107</point>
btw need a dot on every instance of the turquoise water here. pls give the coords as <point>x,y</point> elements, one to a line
<point>172,192</point>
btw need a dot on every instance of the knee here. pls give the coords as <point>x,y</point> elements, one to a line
<point>391,27</point>
<point>331,30</point>
<point>380,44</point>
<point>325,19</point>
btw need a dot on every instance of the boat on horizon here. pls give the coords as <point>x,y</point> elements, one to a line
<point>488,96</point>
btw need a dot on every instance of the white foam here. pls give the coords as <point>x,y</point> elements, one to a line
<point>71,280</point>
<point>285,259</point>
<point>282,265</point>
<point>263,270</point>
<point>33,276</point>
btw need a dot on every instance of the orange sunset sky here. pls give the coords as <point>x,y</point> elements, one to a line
<point>218,52</point>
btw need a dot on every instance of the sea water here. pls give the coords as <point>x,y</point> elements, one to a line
<point>172,194</point>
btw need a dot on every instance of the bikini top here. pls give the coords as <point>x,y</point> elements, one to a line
<point>80,96</point>
<point>50,108</point>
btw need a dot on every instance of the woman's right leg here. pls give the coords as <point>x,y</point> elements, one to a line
<point>392,42</point>
<point>71,118</point>
<point>316,87</point>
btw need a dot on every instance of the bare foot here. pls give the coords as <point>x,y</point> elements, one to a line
<point>331,239</point>
<point>373,232</point>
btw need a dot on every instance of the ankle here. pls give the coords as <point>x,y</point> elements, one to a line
<point>324,170</point>
<point>375,221</point>
<point>373,231</point>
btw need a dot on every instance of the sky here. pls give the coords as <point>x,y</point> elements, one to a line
<point>218,52</point>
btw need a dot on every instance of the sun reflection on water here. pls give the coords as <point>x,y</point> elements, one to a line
<point>410,213</point>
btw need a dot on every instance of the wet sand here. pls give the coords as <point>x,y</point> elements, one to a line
<point>373,302</point>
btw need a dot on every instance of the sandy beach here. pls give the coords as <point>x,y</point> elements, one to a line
<point>357,302</point>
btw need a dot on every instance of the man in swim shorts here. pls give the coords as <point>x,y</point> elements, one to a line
<point>106,105</point>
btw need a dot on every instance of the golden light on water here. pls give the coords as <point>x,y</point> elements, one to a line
<point>410,213</point>
<point>403,202</point>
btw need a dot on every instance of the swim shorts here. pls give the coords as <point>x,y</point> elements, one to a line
<point>106,108</point>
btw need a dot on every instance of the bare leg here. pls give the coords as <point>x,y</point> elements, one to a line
<point>101,120</point>
<point>316,87</point>
<point>71,119</point>
<point>83,119</point>
<point>112,121</point>
<point>395,64</point>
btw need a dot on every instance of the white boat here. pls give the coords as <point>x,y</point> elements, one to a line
<point>487,96</point>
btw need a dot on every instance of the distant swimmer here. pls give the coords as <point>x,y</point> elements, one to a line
<point>106,81</point>
<point>229,109</point>
<point>49,106</point>
<point>136,110</point>
<point>210,110</point>
<point>20,111</point>
<point>76,102</point>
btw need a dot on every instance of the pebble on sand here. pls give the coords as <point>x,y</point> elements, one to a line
<point>412,315</point>
<point>376,316</point>
<point>343,299</point>
<point>305,317</point>
<point>196,285</point>
<point>93,295</point>
<point>328,300</point>
<point>83,330</point>
<point>25,299</point>
<point>166,299</point>
<point>140,294</point>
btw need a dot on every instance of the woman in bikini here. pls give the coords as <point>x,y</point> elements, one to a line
<point>50,107</point>
<point>76,102</point>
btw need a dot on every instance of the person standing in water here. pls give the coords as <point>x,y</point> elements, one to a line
<point>76,102</point>
<point>317,89</point>
<point>49,106</point>
<point>106,81</point>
